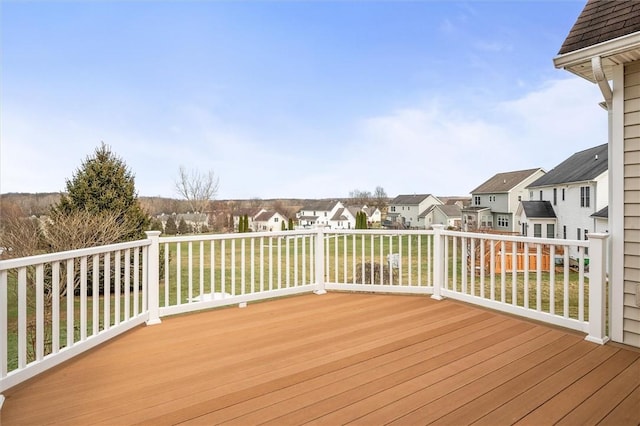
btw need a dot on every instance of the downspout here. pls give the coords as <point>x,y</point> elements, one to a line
<point>607,93</point>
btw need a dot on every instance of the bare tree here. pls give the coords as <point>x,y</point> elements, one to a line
<point>197,188</point>
<point>358,196</point>
<point>380,198</point>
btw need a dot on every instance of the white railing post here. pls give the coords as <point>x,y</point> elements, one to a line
<point>153,278</point>
<point>319,255</point>
<point>438,261</point>
<point>597,289</point>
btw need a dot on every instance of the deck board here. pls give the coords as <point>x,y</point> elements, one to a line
<point>336,359</point>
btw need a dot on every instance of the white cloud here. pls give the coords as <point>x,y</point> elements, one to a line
<point>445,147</point>
<point>449,150</point>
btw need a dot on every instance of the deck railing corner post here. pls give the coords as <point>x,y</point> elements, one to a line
<point>438,261</point>
<point>597,288</point>
<point>153,276</point>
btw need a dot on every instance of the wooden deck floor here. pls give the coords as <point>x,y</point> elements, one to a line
<point>335,359</point>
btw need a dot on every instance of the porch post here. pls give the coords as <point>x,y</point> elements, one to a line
<point>597,289</point>
<point>153,278</point>
<point>320,261</point>
<point>438,260</point>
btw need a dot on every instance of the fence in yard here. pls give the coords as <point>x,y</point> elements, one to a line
<point>56,306</point>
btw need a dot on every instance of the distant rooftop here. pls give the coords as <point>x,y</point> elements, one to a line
<point>503,182</point>
<point>582,166</point>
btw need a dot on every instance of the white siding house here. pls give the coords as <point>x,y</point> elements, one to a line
<point>576,189</point>
<point>612,54</point>
<point>269,220</point>
<point>318,213</point>
<point>405,210</point>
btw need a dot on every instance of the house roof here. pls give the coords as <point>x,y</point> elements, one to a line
<point>264,216</point>
<point>538,209</point>
<point>600,21</point>
<point>602,213</point>
<point>606,29</point>
<point>413,200</point>
<point>504,182</point>
<point>319,205</point>
<point>339,215</point>
<point>582,166</point>
<point>450,210</point>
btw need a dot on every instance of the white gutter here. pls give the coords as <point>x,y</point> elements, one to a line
<point>607,48</point>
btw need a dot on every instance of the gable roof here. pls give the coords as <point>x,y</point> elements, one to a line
<point>606,29</point>
<point>450,210</point>
<point>600,21</point>
<point>320,205</point>
<point>538,209</point>
<point>413,200</point>
<point>582,166</point>
<point>504,182</point>
<point>266,215</point>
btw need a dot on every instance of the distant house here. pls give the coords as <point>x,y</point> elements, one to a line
<point>250,213</point>
<point>602,46</point>
<point>197,222</point>
<point>343,218</point>
<point>373,213</point>
<point>537,219</point>
<point>268,220</point>
<point>575,189</point>
<point>495,202</point>
<point>449,215</point>
<point>405,210</point>
<point>318,213</point>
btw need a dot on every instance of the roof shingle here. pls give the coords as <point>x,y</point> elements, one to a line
<point>600,21</point>
<point>582,166</point>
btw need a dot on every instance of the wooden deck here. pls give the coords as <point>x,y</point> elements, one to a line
<point>335,359</point>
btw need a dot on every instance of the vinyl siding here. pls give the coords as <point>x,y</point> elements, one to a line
<point>631,312</point>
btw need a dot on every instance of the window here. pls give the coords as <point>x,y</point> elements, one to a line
<point>476,200</point>
<point>531,195</point>
<point>578,234</point>
<point>519,197</point>
<point>275,219</point>
<point>393,208</point>
<point>503,221</point>
<point>540,195</point>
<point>585,196</point>
<point>555,196</point>
<point>537,230</point>
<point>551,230</point>
<point>564,228</point>
<point>562,194</point>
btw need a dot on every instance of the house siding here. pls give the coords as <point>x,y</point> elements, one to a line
<point>631,273</point>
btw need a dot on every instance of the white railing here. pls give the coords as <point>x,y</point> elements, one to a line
<point>55,306</point>
<point>207,271</point>
<point>114,288</point>
<point>531,277</point>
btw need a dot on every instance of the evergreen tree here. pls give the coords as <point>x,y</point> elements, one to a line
<point>104,184</point>
<point>290,224</point>
<point>171,228</point>
<point>183,228</point>
<point>284,226</point>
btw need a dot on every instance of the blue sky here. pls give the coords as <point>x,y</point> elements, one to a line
<point>291,99</point>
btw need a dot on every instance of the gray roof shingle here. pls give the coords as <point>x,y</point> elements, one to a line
<point>503,182</point>
<point>413,200</point>
<point>600,21</point>
<point>538,209</point>
<point>582,166</point>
